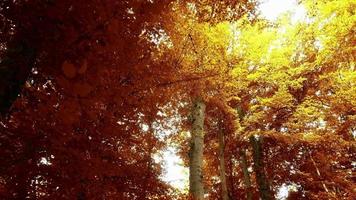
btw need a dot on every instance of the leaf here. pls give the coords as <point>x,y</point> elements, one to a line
<point>82,89</point>
<point>83,68</point>
<point>69,69</point>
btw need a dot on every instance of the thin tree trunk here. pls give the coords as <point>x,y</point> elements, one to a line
<point>247,179</point>
<point>224,191</point>
<point>231,178</point>
<point>262,182</point>
<point>318,173</point>
<point>196,150</point>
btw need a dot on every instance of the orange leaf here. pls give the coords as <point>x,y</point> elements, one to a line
<point>83,68</point>
<point>82,89</point>
<point>69,69</point>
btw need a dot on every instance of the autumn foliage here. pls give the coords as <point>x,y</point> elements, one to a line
<point>92,91</point>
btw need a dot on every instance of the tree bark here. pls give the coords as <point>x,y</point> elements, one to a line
<point>262,182</point>
<point>231,179</point>
<point>247,180</point>
<point>224,191</point>
<point>196,150</point>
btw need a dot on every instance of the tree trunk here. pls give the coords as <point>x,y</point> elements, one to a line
<point>196,150</point>
<point>262,182</point>
<point>247,179</point>
<point>224,192</point>
<point>231,179</point>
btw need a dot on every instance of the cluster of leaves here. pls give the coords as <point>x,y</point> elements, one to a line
<point>75,131</point>
<point>290,83</point>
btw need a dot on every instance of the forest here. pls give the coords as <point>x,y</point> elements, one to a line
<point>177,100</point>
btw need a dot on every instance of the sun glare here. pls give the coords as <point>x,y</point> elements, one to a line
<point>176,174</point>
<point>272,9</point>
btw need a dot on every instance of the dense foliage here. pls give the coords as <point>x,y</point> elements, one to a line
<point>92,91</point>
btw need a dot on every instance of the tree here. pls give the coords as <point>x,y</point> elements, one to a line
<point>193,40</point>
<point>196,150</point>
<point>68,135</point>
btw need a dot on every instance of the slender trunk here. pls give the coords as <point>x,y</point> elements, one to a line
<point>231,179</point>
<point>318,173</point>
<point>196,150</point>
<point>224,192</point>
<point>262,182</point>
<point>247,180</point>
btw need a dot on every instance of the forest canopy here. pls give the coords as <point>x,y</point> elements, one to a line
<point>101,99</point>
